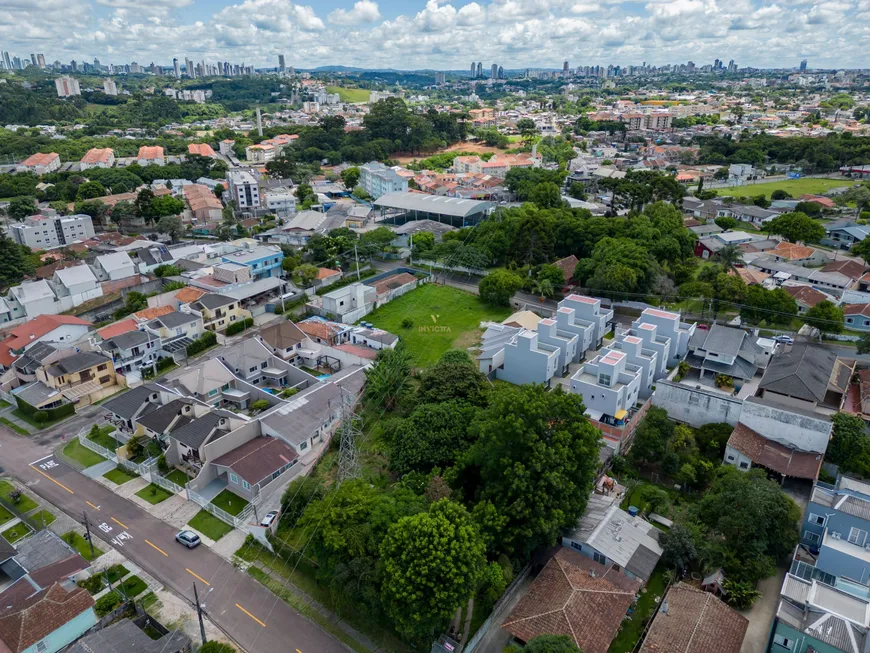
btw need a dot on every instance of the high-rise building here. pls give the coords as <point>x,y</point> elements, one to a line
<point>176,68</point>
<point>32,59</point>
<point>499,74</point>
<point>281,66</point>
<point>803,67</point>
<point>7,60</point>
<point>479,69</point>
<point>565,69</point>
<point>109,87</point>
<point>493,71</point>
<point>67,86</point>
<point>473,70</point>
<point>440,78</point>
<point>40,61</point>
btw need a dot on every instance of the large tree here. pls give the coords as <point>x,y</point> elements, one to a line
<point>452,380</point>
<point>825,316</point>
<point>498,287</point>
<point>551,644</point>
<point>797,227</point>
<point>534,459</point>
<point>431,563</point>
<point>434,435</point>
<point>387,381</point>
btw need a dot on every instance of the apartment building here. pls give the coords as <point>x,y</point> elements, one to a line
<point>67,86</point>
<point>245,190</point>
<point>48,230</point>
<point>378,179</point>
<point>610,386</point>
<point>151,155</point>
<point>668,325</point>
<point>201,149</point>
<point>40,163</point>
<point>260,153</point>
<point>98,157</point>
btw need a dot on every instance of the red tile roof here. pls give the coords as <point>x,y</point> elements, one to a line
<point>857,309</point>
<point>805,295</point>
<point>189,294</point>
<point>325,273</point>
<point>574,596</point>
<point>40,159</point>
<point>98,155</point>
<point>202,149</point>
<point>772,455</point>
<point>258,458</point>
<point>567,265</point>
<point>850,267</point>
<point>151,313</point>
<point>24,334</point>
<point>150,152</point>
<point>116,329</point>
<point>27,617</point>
<point>695,622</point>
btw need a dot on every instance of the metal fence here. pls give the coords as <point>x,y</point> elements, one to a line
<point>96,448</point>
<point>146,469</point>
<point>239,521</point>
<point>166,484</point>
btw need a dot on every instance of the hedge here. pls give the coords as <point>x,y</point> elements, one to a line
<point>206,340</point>
<point>349,279</point>
<point>53,414</point>
<point>238,327</point>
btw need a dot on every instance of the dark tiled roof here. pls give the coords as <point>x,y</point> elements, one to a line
<point>126,637</point>
<point>804,373</point>
<point>772,455</point>
<point>159,420</point>
<point>718,339</point>
<point>212,301</point>
<point>257,458</point>
<point>77,362</point>
<point>574,596</point>
<point>283,335</point>
<point>129,340</point>
<point>176,319</point>
<point>694,622</point>
<point>127,404</point>
<point>194,433</point>
<point>41,550</point>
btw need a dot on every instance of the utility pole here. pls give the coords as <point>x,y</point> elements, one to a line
<point>356,258</point>
<point>199,614</point>
<point>88,531</point>
<point>350,434</point>
<point>411,255</point>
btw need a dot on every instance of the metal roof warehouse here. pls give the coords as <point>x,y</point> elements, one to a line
<point>417,206</point>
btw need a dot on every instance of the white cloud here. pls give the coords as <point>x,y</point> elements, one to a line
<point>364,11</point>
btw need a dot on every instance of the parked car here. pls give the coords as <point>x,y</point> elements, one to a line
<point>704,327</point>
<point>188,538</point>
<point>784,340</point>
<point>269,518</point>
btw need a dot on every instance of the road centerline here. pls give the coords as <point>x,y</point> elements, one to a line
<point>250,615</point>
<point>121,524</point>
<point>154,546</point>
<point>51,479</point>
<point>197,576</point>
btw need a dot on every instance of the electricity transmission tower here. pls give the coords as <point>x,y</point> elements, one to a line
<point>350,434</point>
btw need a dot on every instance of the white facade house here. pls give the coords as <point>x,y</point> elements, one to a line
<point>567,320</point>
<point>589,309</point>
<point>649,335</point>
<point>378,180</point>
<point>637,354</point>
<point>610,386</point>
<point>32,299</point>
<point>527,360</point>
<point>77,283</point>
<point>670,326</point>
<point>345,302</point>
<point>111,267</point>
<point>549,333</point>
<point>280,201</point>
<point>245,190</point>
<point>48,230</point>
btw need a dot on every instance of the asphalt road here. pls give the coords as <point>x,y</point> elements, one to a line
<point>255,618</point>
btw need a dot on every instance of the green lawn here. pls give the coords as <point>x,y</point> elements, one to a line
<point>119,475</point>
<point>209,525</point>
<point>104,439</point>
<point>37,518</point>
<point>4,404</point>
<point>16,532</point>
<point>25,503</point>
<point>178,477</point>
<point>132,586</point>
<point>350,94</point>
<point>5,515</point>
<point>80,544</point>
<point>632,628</point>
<point>12,425</point>
<point>229,502</point>
<point>794,187</point>
<point>116,573</point>
<point>153,494</point>
<point>85,457</point>
<point>443,318</point>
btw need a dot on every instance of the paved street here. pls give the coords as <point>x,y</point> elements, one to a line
<point>254,617</point>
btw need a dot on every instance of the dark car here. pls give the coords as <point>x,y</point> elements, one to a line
<point>188,538</point>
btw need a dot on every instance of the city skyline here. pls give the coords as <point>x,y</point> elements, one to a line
<point>436,34</point>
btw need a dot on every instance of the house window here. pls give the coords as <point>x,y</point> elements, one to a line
<point>303,446</point>
<point>246,485</point>
<point>857,536</point>
<point>604,379</point>
<point>785,642</point>
<point>812,538</point>
<point>744,465</point>
<point>597,557</point>
<point>252,370</point>
<point>264,365</point>
<point>818,520</point>
<point>212,393</point>
<point>234,479</point>
<point>105,379</point>
<point>577,545</point>
<point>100,368</point>
<point>731,459</point>
<point>225,386</point>
<point>41,647</point>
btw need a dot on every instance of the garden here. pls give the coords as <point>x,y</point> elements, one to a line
<point>119,475</point>
<point>81,546</point>
<point>75,451</point>
<point>206,523</point>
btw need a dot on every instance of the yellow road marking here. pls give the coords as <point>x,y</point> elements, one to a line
<point>298,651</point>
<point>52,480</point>
<point>92,505</point>
<point>122,525</point>
<point>154,546</point>
<point>250,615</point>
<point>197,576</point>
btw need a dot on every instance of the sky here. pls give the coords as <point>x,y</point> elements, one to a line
<point>442,34</point>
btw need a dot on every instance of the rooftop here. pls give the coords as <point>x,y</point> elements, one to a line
<point>775,456</point>
<point>450,206</point>
<point>258,459</point>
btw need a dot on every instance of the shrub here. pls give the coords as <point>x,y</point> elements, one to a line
<point>206,340</point>
<point>15,496</point>
<point>407,323</point>
<point>724,381</point>
<point>106,603</point>
<point>260,404</point>
<point>162,465</point>
<point>238,327</point>
<point>288,392</point>
<point>40,417</point>
<point>93,584</point>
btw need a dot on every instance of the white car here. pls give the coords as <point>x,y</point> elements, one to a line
<point>269,518</point>
<point>784,340</point>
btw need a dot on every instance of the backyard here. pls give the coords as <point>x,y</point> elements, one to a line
<point>229,502</point>
<point>436,319</point>
<point>794,187</point>
<point>632,627</point>
<point>103,438</point>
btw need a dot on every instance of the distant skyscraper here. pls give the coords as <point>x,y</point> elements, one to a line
<point>473,70</point>
<point>40,61</point>
<point>803,66</point>
<point>479,69</point>
<point>176,68</point>
<point>440,78</point>
<point>32,59</point>
<point>493,71</point>
<point>499,73</point>
<point>7,60</point>
<point>67,86</point>
<point>281,66</point>
<point>565,69</point>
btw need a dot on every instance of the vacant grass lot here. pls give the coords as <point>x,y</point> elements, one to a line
<point>794,187</point>
<point>85,457</point>
<point>632,627</point>
<point>209,525</point>
<point>119,475</point>
<point>443,318</point>
<point>350,94</point>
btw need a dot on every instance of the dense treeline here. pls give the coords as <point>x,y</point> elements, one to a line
<point>811,154</point>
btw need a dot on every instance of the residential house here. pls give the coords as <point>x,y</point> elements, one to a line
<point>83,378</point>
<point>175,329</point>
<point>254,465</point>
<point>567,265</point>
<point>589,309</point>
<point>852,268</point>
<point>751,213</point>
<point>722,350</point>
<point>187,442</point>
<point>517,356</point>
<point>844,234</point>
<point>264,261</point>
<point>212,383</point>
<point>349,303</point>
<point>576,597</point>
<point>127,408</point>
<point>299,230</point>
<point>39,355</point>
<point>637,354</point>
<point>201,149</point>
<point>857,316</point>
<point>818,278</point>
<point>807,377</point>
<point>151,155</point>
<point>218,311</point>
<point>98,157</point>
<point>611,536</point>
<point>124,635</point>
<point>204,204</point>
<point>586,330</point>
<point>835,548</point>
<point>523,320</point>
<point>690,620</point>
<point>132,351</point>
<point>798,254</point>
<point>40,163</point>
<point>286,340</point>
<point>112,267</point>
<point>668,325</point>
<point>254,363</point>
<point>325,332</point>
<point>813,617</point>
<point>61,330</point>
<point>78,283</point>
<point>805,296</point>
<point>787,441</point>
<point>610,387</point>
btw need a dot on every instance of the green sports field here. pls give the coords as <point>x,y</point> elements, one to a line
<point>794,187</point>
<point>350,94</point>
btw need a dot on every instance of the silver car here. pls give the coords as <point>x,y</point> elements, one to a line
<point>188,538</point>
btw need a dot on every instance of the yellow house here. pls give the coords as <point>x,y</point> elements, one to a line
<point>219,311</point>
<point>82,378</point>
